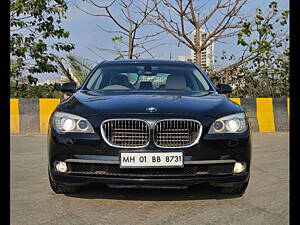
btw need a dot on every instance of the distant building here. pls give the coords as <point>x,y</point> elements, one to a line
<point>185,58</point>
<point>207,54</point>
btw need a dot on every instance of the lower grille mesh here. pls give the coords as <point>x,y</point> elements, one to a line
<point>115,170</point>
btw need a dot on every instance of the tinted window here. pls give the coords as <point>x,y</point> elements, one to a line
<point>143,77</point>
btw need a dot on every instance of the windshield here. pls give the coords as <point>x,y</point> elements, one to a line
<point>147,77</point>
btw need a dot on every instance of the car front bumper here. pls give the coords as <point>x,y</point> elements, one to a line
<point>90,149</point>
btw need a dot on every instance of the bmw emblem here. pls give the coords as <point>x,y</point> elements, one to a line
<point>151,109</point>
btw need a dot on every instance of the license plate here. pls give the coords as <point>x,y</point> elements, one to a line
<point>151,159</point>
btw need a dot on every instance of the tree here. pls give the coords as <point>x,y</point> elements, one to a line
<point>181,18</point>
<point>263,67</point>
<point>265,41</point>
<point>270,80</point>
<point>263,70</point>
<point>129,18</point>
<point>263,38</point>
<point>32,22</point>
<point>77,69</point>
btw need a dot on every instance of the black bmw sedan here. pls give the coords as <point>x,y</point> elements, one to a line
<point>148,124</point>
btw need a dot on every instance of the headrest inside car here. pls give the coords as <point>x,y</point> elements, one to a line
<point>176,82</point>
<point>121,80</point>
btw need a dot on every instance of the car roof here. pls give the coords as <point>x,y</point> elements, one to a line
<point>137,61</point>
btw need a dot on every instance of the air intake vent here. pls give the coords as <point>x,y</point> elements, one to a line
<point>177,133</point>
<point>127,133</point>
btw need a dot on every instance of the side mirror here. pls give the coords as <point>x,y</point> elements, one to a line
<point>224,88</point>
<point>68,87</point>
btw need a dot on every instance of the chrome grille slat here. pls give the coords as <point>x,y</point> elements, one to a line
<point>130,133</point>
<point>135,133</point>
<point>177,133</point>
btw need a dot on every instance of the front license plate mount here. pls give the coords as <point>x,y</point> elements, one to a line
<point>151,159</point>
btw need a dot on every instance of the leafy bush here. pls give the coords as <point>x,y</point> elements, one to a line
<point>35,91</point>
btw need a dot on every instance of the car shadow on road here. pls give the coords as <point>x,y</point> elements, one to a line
<point>196,192</point>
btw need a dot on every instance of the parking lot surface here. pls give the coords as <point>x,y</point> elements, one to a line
<point>266,200</point>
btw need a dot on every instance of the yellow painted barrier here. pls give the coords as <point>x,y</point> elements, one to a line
<point>265,115</point>
<point>236,100</point>
<point>47,106</point>
<point>288,106</point>
<point>14,116</point>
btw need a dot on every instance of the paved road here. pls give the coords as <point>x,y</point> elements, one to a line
<point>266,200</point>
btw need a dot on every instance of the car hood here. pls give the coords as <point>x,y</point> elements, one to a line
<point>86,103</point>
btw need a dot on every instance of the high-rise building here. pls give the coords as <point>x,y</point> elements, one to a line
<point>207,54</point>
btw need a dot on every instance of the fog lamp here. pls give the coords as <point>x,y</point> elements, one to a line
<point>61,167</point>
<point>239,167</point>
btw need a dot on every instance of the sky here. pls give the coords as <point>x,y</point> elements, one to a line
<point>86,35</point>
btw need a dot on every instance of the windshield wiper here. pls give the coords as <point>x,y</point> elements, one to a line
<point>204,93</point>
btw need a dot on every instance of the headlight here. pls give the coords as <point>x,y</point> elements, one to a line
<point>235,123</point>
<point>66,122</point>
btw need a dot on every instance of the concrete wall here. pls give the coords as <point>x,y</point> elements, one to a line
<point>29,116</point>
